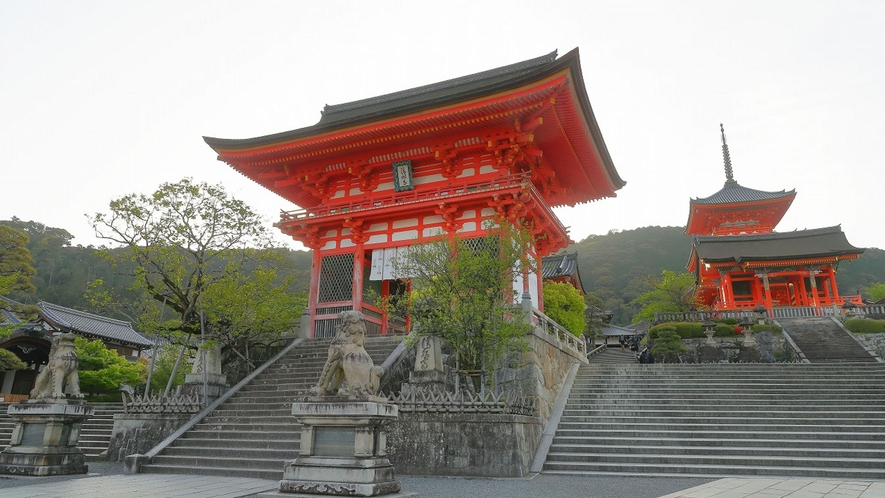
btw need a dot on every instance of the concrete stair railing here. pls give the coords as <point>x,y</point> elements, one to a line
<point>805,420</point>
<point>253,433</point>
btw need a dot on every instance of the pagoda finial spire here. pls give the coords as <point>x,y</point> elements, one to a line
<point>729,175</point>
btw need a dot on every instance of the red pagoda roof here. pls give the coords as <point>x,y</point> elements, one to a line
<point>544,99</point>
<point>736,209</point>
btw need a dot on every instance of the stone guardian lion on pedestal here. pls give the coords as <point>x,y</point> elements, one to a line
<point>60,372</point>
<point>348,361</point>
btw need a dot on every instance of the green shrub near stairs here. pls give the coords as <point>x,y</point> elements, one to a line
<point>767,327</point>
<point>685,330</point>
<point>865,326</point>
<point>694,330</point>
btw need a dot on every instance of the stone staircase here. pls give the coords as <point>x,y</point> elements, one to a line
<point>800,420</point>
<point>95,433</point>
<point>822,339</point>
<point>613,355</point>
<point>253,433</point>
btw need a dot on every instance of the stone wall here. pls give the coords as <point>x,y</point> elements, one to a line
<point>540,372</point>
<point>464,444</point>
<point>875,342</point>
<point>138,433</point>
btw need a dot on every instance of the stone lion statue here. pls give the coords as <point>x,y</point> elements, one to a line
<point>348,361</point>
<point>60,372</point>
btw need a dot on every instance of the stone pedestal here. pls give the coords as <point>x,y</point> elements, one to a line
<point>343,448</point>
<point>429,372</point>
<point>44,440</point>
<point>208,358</point>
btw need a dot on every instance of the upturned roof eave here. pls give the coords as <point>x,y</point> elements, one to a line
<point>569,61</point>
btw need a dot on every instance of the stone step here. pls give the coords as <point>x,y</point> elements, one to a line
<point>204,460</point>
<point>808,442</point>
<point>239,438</point>
<point>649,428</point>
<point>274,444</point>
<point>233,471</point>
<point>281,454</point>
<point>725,469</point>
<point>566,452</point>
<point>726,418</point>
<point>701,431</point>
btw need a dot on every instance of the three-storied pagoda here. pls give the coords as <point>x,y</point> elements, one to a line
<point>740,262</point>
<point>377,175</point>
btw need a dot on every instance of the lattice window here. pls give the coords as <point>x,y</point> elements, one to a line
<point>336,278</point>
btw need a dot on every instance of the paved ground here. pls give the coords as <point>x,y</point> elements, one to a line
<point>107,481</point>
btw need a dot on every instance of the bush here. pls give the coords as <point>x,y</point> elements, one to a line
<point>765,327</point>
<point>667,344</point>
<point>730,321</point>
<point>685,330</point>
<point>725,330</point>
<point>865,326</point>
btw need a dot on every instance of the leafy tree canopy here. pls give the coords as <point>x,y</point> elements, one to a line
<point>103,370</point>
<point>16,262</point>
<point>564,304</point>
<point>670,292</point>
<point>191,247</point>
<point>462,291</point>
<point>876,292</point>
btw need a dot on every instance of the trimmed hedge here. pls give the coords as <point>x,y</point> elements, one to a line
<point>865,326</point>
<point>774,329</point>
<point>694,330</point>
<point>685,330</point>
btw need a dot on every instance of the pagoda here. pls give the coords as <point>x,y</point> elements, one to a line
<point>740,262</point>
<point>375,176</point>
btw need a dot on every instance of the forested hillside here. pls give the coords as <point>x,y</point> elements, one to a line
<point>614,267</point>
<point>64,271</point>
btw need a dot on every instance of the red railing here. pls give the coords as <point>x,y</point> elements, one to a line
<point>410,197</point>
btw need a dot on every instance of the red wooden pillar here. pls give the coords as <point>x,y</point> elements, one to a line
<point>833,283</point>
<point>314,292</point>
<point>359,260</point>
<point>802,290</point>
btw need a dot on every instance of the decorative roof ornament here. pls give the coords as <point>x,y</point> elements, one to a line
<point>729,175</point>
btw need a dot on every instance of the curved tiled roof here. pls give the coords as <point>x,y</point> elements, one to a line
<point>801,244</point>
<point>559,265</point>
<point>732,193</point>
<point>88,324</point>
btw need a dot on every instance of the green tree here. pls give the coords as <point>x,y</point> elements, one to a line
<point>564,304</point>
<point>16,262</point>
<point>9,361</point>
<point>164,364</point>
<point>671,292</point>
<point>103,370</point>
<point>462,291</point>
<point>876,292</point>
<point>595,316</point>
<point>195,249</point>
<point>667,344</point>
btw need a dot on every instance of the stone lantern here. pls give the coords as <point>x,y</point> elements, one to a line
<point>747,326</point>
<point>849,310</point>
<point>761,314</point>
<point>709,330</point>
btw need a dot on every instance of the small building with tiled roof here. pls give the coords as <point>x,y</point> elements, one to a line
<point>116,334</point>
<point>562,268</point>
<point>32,341</point>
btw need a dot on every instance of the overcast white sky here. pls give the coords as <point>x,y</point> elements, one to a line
<point>102,99</point>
